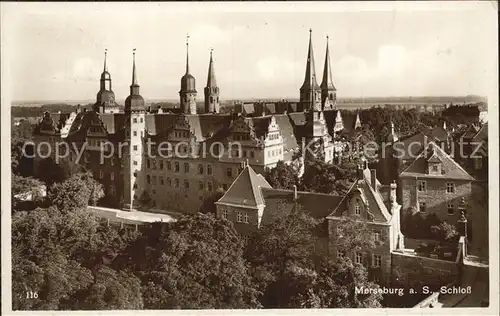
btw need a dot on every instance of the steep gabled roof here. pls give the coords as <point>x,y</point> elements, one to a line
<point>245,190</point>
<point>450,168</point>
<point>363,187</point>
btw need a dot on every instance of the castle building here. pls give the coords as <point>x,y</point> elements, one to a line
<point>172,159</point>
<point>251,203</point>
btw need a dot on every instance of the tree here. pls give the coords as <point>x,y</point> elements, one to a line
<point>195,262</point>
<point>326,178</point>
<point>444,232</point>
<point>208,206</point>
<point>337,282</point>
<point>27,193</point>
<point>77,192</point>
<point>281,255</point>
<point>282,176</point>
<point>65,258</point>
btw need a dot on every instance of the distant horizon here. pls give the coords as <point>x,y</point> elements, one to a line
<point>291,99</point>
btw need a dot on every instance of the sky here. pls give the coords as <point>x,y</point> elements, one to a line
<point>55,51</point>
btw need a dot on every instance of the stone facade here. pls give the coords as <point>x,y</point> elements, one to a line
<point>140,172</point>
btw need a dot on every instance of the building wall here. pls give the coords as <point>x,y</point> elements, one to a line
<point>383,249</point>
<point>414,271</point>
<point>435,197</point>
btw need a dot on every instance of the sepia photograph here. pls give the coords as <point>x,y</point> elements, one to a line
<point>249,156</point>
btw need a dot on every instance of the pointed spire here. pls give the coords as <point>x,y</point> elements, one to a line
<point>134,73</point>
<point>310,77</point>
<point>327,82</point>
<point>134,87</point>
<point>211,82</point>
<point>105,57</point>
<point>187,54</point>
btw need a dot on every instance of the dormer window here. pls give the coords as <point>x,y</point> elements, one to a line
<point>357,208</point>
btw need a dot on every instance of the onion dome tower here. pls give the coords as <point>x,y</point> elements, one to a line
<point>134,102</point>
<point>105,100</point>
<point>211,90</point>
<point>188,88</point>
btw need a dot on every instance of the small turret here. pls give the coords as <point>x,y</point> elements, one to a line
<point>211,90</point>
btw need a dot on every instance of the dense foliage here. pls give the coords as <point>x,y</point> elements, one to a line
<point>74,260</point>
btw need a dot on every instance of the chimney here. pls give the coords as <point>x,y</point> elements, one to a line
<point>359,172</point>
<point>392,195</point>
<point>295,195</point>
<point>78,109</point>
<point>373,178</point>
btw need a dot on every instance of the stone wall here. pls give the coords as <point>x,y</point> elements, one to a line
<point>414,271</point>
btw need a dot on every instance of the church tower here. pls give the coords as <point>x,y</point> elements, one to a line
<point>310,93</point>
<point>211,90</point>
<point>188,88</point>
<point>105,100</point>
<point>328,90</point>
<point>133,174</point>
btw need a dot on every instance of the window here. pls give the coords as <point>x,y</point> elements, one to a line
<point>357,208</point>
<point>169,165</point>
<point>176,165</point>
<point>252,154</point>
<point>135,147</point>
<point>224,213</point>
<point>112,176</point>
<point>148,179</point>
<point>135,162</point>
<point>148,164</point>
<point>435,168</point>
<point>209,186</point>
<point>422,206</point>
<point>244,153</point>
<point>422,186</point>
<point>142,120</point>
<point>450,187</point>
<point>358,257</point>
<point>239,217</point>
<point>135,120</point>
<point>186,167</point>
<point>162,182</point>
<point>229,172</point>
<point>186,184</point>
<point>209,170</point>
<point>201,186</point>
<point>200,169</point>
<point>246,218</point>
<point>161,164</point>
<point>112,190</point>
<point>176,183</point>
<point>376,235</point>
<point>154,191</point>
<point>377,261</point>
<point>101,174</point>
<point>153,162</point>
<point>135,185</point>
<point>169,182</point>
<point>153,180</point>
<point>135,133</point>
<point>478,163</point>
<point>451,209</point>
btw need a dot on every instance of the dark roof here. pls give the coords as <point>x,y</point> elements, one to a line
<point>451,169</point>
<point>318,205</point>
<point>362,188</point>
<point>289,141</point>
<point>245,189</point>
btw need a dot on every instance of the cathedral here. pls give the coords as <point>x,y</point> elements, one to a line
<point>123,148</point>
